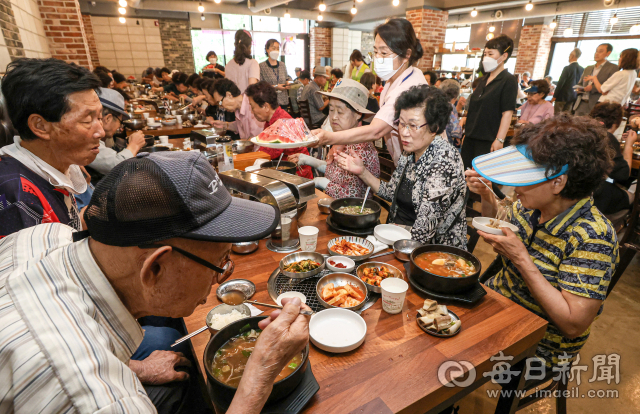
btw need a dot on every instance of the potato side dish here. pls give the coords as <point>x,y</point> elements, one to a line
<point>345,296</point>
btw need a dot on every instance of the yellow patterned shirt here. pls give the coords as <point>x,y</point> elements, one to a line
<point>576,251</point>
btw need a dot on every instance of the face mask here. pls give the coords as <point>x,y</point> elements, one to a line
<point>384,67</point>
<point>489,64</point>
<point>213,60</point>
<point>274,54</point>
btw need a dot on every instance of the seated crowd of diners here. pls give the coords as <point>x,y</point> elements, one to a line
<point>93,279</point>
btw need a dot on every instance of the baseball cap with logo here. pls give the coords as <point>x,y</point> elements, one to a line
<point>153,197</point>
<point>352,92</point>
<point>113,100</point>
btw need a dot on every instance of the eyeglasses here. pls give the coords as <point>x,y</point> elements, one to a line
<point>223,272</point>
<point>410,127</point>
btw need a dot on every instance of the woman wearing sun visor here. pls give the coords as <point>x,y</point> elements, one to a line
<point>559,262</point>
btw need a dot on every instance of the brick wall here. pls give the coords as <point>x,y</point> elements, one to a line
<point>88,30</point>
<point>430,27</point>
<point>320,44</point>
<point>11,34</point>
<point>533,50</point>
<point>176,45</point>
<point>64,29</point>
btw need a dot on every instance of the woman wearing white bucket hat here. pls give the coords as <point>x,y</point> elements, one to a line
<point>347,107</point>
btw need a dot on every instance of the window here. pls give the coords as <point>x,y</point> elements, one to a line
<point>560,58</point>
<point>265,23</point>
<point>203,42</point>
<point>589,47</point>
<point>598,23</point>
<point>236,22</point>
<point>460,35</point>
<point>292,25</point>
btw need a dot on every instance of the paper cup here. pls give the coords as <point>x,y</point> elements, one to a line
<point>393,292</point>
<point>145,115</point>
<point>308,238</point>
<point>164,139</point>
<point>179,118</point>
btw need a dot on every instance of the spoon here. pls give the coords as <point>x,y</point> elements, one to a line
<point>279,159</point>
<point>365,199</point>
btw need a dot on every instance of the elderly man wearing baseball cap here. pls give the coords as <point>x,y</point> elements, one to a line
<point>347,108</point>
<point>557,252</point>
<point>113,114</point>
<point>159,236</point>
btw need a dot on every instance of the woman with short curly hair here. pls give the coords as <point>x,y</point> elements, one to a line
<point>559,261</point>
<point>427,189</point>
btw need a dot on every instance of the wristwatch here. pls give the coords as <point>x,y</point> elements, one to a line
<point>500,140</point>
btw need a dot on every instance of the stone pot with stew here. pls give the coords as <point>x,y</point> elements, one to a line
<point>444,269</point>
<point>225,349</point>
<point>345,212</point>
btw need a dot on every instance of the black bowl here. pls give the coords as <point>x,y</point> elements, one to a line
<point>355,221</point>
<point>285,166</point>
<point>149,140</point>
<point>444,284</point>
<point>219,390</point>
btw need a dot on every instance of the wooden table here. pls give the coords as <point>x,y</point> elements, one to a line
<point>168,130</point>
<point>396,369</point>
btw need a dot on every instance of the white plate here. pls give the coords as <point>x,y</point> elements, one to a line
<point>154,124</point>
<point>481,223</point>
<point>337,330</point>
<point>390,233</point>
<point>341,259</point>
<point>283,145</point>
<point>291,294</point>
<point>169,123</point>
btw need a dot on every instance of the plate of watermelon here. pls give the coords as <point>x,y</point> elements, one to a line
<point>286,133</point>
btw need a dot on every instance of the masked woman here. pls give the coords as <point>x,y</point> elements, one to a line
<point>213,69</point>
<point>396,50</point>
<point>347,107</point>
<point>274,72</point>
<point>492,102</point>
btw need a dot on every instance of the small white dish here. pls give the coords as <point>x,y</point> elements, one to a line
<point>200,126</point>
<point>169,123</point>
<point>337,330</point>
<point>154,124</point>
<point>482,224</point>
<point>291,294</point>
<point>390,233</point>
<point>350,264</point>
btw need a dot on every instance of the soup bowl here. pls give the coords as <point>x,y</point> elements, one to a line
<point>444,284</point>
<point>355,221</point>
<point>221,391</point>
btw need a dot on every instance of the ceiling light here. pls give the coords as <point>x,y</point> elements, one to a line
<point>492,28</point>
<point>202,16</point>
<point>614,19</point>
<point>529,6</point>
<point>353,9</point>
<point>122,19</point>
<point>122,10</point>
<point>286,14</point>
<point>635,29</point>
<point>200,7</point>
<point>320,17</point>
<point>567,32</point>
<point>359,1</point>
<point>474,12</point>
<point>553,24</point>
<point>396,3</point>
<point>123,3</point>
<point>217,1</point>
<point>322,6</point>
<point>490,36</point>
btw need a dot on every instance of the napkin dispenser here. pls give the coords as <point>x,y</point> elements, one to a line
<point>285,237</point>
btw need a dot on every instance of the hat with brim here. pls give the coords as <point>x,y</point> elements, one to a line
<point>352,92</point>
<point>531,89</point>
<point>113,100</point>
<point>513,166</point>
<point>320,72</point>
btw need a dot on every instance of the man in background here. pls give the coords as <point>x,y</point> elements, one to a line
<point>565,96</point>
<point>603,70</point>
<point>304,78</point>
<point>309,94</point>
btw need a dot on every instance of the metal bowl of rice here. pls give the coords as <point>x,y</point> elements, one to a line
<point>223,315</point>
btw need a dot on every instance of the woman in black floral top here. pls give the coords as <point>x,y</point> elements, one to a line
<point>427,189</point>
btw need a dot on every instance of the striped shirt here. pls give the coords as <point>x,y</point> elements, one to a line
<point>576,251</point>
<point>65,336</point>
